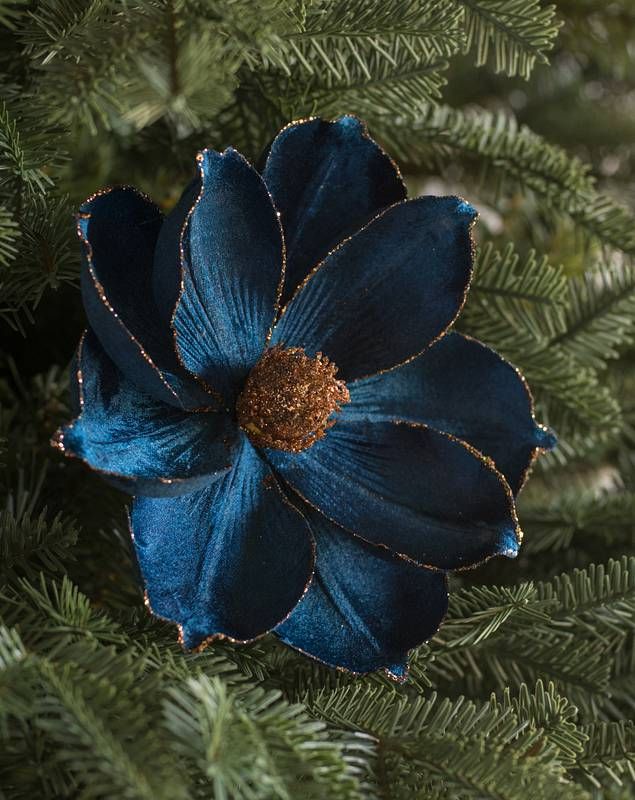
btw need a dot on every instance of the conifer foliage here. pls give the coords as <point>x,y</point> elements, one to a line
<point>527,690</point>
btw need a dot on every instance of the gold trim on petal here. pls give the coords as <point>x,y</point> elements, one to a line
<point>391,675</point>
<point>223,636</point>
<point>101,292</point>
<point>536,451</point>
<point>485,460</point>
<point>345,241</point>
<point>283,254</point>
<point>57,440</point>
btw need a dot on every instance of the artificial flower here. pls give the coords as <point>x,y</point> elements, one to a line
<point>270,371</point>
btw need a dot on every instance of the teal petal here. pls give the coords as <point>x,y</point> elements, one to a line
<point>139,443</point>
<point>461,387</point>
<point>409,488</point>
<point>232,269</point>
<point>119,229</point>
<point>366,607</point>
<point>327,179</point>
<point>231,560</point>
<point>386,293</point>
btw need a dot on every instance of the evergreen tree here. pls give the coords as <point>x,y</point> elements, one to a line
<point>524,108</point>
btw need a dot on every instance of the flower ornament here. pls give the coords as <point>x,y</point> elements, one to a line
<point>269,371</point>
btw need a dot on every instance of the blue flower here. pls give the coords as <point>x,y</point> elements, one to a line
<point>269,371</point>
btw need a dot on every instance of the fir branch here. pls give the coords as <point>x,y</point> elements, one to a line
<point>553,715</point>
<point>9,235</point>
<point>571,518</point>
<point>567,630</point>
<point>610,751</point>
<point>498,143</point>
<point>600,316</point>
<point>600,598</point>
<point>518,32</point>
<point>453,746</point>
<point>53,615</point>
<point>15,695</point>
<point>510,300</point>
<point>377,87</point>
<point>97,713</point>
<point>56,27</point>
<point>342,33</point>
<point>10,12</point>
<point>251,744</point>
<point>500,274</point>
<point>27,149</point>
<point>30,544</point>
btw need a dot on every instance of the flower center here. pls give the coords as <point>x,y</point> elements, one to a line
<point>288,399</point>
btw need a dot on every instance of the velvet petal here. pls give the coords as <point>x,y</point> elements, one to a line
<point>387,292</point>
<point>119,229</point>
<point>166,275</point>
<point>233,256</point>
<point>142,445</point>
<point>231,560</point>
<point>461,387</point>
<point>366,607</point>
<point>327,179</point>
<point>410,488</point>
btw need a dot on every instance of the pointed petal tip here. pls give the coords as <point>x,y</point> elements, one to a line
<point>190,638</point>
<point>509,543</point>
<point>464,208</point>
<point>398,672</point>
<point>349,121</point>
<point>545,438</point>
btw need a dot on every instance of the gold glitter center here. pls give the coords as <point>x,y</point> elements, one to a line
<point>288,399</point>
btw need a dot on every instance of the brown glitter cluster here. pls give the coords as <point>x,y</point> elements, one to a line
<point>288,399</point>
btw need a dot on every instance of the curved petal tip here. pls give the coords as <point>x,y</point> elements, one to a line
<point>509,543</point>
<point>397,672</point>
<point>545,438</point>
<point>465,208</point>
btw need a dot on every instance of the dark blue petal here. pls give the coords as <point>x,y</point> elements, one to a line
<point>119,230</point>
<point>231,560</point>
<point>166,275</point>
<point>365,608</point>
<point>142,445</point>
<point>232,268</point>
<point>414,490</point>
<point>464,388</point>
<point>327,179</point>
<point>386,293</point>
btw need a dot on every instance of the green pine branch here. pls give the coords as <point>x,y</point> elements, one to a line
<point>376,87</point>
<point>516,34</point>
<point>28,149</point>
<point>29,544</point>
<point>570,630</point>
<point>340,34</point>
<point>608,752</point>
<point>498,144</point>
<point>10,12</point>
<point>600,315</point>
<point>251,743</point>
<point>501,274</point>
<point>579,519</point>
<point>457,747</point>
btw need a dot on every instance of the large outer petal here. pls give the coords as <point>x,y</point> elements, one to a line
<point>461,387</point>
<point>140,444</point>
<point>365,608</point>
<point>327,179</point>
<point>229,561</point>
<point>416,491</point>
<point>118,229</point>
<point>389,291</point>
<point>233,265</point>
